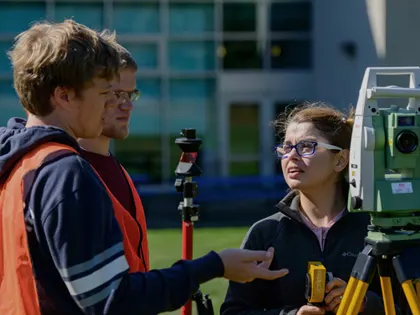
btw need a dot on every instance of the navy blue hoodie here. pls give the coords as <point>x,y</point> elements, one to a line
<point>76,243</point>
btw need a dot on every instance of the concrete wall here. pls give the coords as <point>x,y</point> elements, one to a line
<point>339,74</point>
<point>383,32</point>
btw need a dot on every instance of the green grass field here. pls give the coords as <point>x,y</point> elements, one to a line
<point>165,249</point>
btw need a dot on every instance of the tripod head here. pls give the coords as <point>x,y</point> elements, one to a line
<point>187,168</point>
<point>189,145</point>
<point>384,166</point>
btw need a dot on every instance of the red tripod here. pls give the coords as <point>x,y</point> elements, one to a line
<point>188,168</point>
<point>187,249</point>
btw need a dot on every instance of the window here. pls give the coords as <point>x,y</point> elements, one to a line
<point>140,153</point>
<point>191,56</point>
<point>191,18</point>
<point>291,16</point>
<point>5,64</point>
<point>145,54</point>
<point>239,17</point>
<point>291,54</point>
<point>190,101</point>
<point>17,17</point>
<point>240,55</point>
<point>10,105</point>
<point>89,14</point>
<point>146,113</point>
<point>134,18</point>
<point>244,140</point>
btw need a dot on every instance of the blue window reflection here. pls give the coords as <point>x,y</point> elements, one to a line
<point>17,17</point>
<point>191,18</point>
<point>149,88</point>
<point>146,113</point>
<point>10,105</point>
<point>189,102</point>
<point>133,18</point>
<point>145,54</point>
<point>191,56</point>
<point>5,64</point>
<point>89,14</point>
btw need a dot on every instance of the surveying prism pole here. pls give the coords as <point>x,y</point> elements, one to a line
<point>187,168</point>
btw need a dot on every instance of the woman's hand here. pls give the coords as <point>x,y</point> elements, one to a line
<point>335,291</point>
<point>310,310</point>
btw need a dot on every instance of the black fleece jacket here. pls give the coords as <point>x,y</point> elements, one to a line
<point>295,244</point>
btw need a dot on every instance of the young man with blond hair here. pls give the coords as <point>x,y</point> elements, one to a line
<point>61,247</point>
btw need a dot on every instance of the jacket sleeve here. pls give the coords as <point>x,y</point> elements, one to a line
<point>246,298</point>
<point>85,243</point>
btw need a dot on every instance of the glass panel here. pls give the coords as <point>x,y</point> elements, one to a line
<point>17,17</point>
<point>134,18</point>
<point>240,55</point>
<point>239,17</point>
<point>244,138</point>
<point>191,56</point>
<point>10,105</point>
<point>244,128</point>
<point>190,101</point>
<point>5,64</point>
<point>141,156</point>
<point>146,113</point>
<point>89,14</point>
<point>140,153</point>
<point>291,16</point>
<point>146,55</point>
<point>291,54</point>
<point>191,18</point>
<point>244,168</point>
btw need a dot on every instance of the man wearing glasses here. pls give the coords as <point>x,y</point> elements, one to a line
<point>116,126</point>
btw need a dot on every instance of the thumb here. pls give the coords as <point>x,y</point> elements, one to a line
<point>266,263</point>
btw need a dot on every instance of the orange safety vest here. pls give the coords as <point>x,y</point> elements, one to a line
<point>18,293</point>
<point>134,230</point>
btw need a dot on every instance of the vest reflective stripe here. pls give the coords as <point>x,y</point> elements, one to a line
<point>18,294</point>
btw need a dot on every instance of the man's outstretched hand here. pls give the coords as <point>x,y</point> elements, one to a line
<point>243,265</point>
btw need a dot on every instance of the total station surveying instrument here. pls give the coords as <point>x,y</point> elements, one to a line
<point>187,168</point>
<point>384,177</point>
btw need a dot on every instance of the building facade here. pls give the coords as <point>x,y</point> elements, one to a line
<point>224,67</point>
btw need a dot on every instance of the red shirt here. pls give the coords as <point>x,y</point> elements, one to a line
<point>111,173</point>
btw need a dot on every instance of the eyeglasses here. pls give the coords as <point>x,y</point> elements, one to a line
<point>303,148</point>
<point>130,96</point>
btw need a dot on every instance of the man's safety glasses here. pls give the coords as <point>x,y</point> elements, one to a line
<point>128,96</point>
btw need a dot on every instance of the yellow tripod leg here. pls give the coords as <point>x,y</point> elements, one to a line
<point>418,288</point>
<point>353,297</point>
<point>410,294</point>
<point>387,295</point>
<point>348,293</point>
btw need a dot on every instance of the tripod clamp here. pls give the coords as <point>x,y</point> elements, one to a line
<point>190,212</point>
